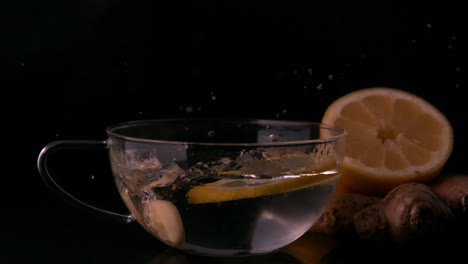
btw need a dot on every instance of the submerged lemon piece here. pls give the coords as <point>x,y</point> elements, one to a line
<point>236,189</point>
<point>163,220</point>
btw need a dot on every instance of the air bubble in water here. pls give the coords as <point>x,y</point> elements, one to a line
<point>189,109</point>
<point>285,111</point>
<point>91,177</point>
<point>309,71</point>
<point>458,69</point>
<point>457,85</point>
<point>277,116</point>
<point>331,77</point>
<point>429,25</point>
<point>273,138</point>
<point>211,133</point>
<point>22,64</point>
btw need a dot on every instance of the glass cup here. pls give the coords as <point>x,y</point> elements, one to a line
<point>219,187</point>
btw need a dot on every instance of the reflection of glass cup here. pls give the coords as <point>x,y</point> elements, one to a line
<point>219,187</point>
<point>171,256</point>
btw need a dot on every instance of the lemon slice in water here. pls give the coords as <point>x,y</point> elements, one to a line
<point>236,189</point>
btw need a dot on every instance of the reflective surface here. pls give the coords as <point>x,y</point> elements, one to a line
<point>43,229</point>
<point>86,240</point>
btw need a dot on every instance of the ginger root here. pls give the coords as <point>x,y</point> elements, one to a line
<point>409,213</point>
<point>338,216</point>
<point>453,190</point>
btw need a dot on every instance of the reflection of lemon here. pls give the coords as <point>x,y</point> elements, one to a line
<point>235,189</point>
<point>393,137</point>
<point>163,220</point>
<point>312,247</point>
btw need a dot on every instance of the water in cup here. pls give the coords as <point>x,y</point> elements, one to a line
<point>218,187</point>
<point>250,204</point>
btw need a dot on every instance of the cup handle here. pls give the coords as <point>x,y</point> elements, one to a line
<point>52,184</point>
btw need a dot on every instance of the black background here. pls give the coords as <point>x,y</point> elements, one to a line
<point>71,68</point>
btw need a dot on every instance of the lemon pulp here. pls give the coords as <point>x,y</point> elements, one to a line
<point>394,137</point>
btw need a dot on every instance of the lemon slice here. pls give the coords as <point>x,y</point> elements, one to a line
<point>236,189</point>
<point>394,137</point>
<point>163,220</point>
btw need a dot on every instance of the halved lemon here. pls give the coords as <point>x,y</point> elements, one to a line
<point>394,137</point>
<point>236,189</point>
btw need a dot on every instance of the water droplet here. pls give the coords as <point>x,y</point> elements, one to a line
<point>285,111</point>
<point>277,116</point>
<point>413,41</point>
<point>295,72</point>
<point>130,219</point>
<point>211,133</point>
<point>186,128</point>
<point>428,25</point>
<point>213,97</point>
<point>125,64</point>
<point>174,159</point>
<point>140,113</point>
<point>331,77</point>
<point>91,177</point>
<point>309,71</point>
<point>189,109</point>
<point>306,87</point>
<point>458,69</point>
<point>454,37</point>
<point>57,134</point>
<point>273,138</point>
<point>267,127</point>
<point>319,87</point>
<point>450,46</point>
<point>21,64</point>
<point>198,108</point>
<point>457,85</point>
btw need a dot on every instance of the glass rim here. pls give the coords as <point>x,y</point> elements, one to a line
<point>341,133</point>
